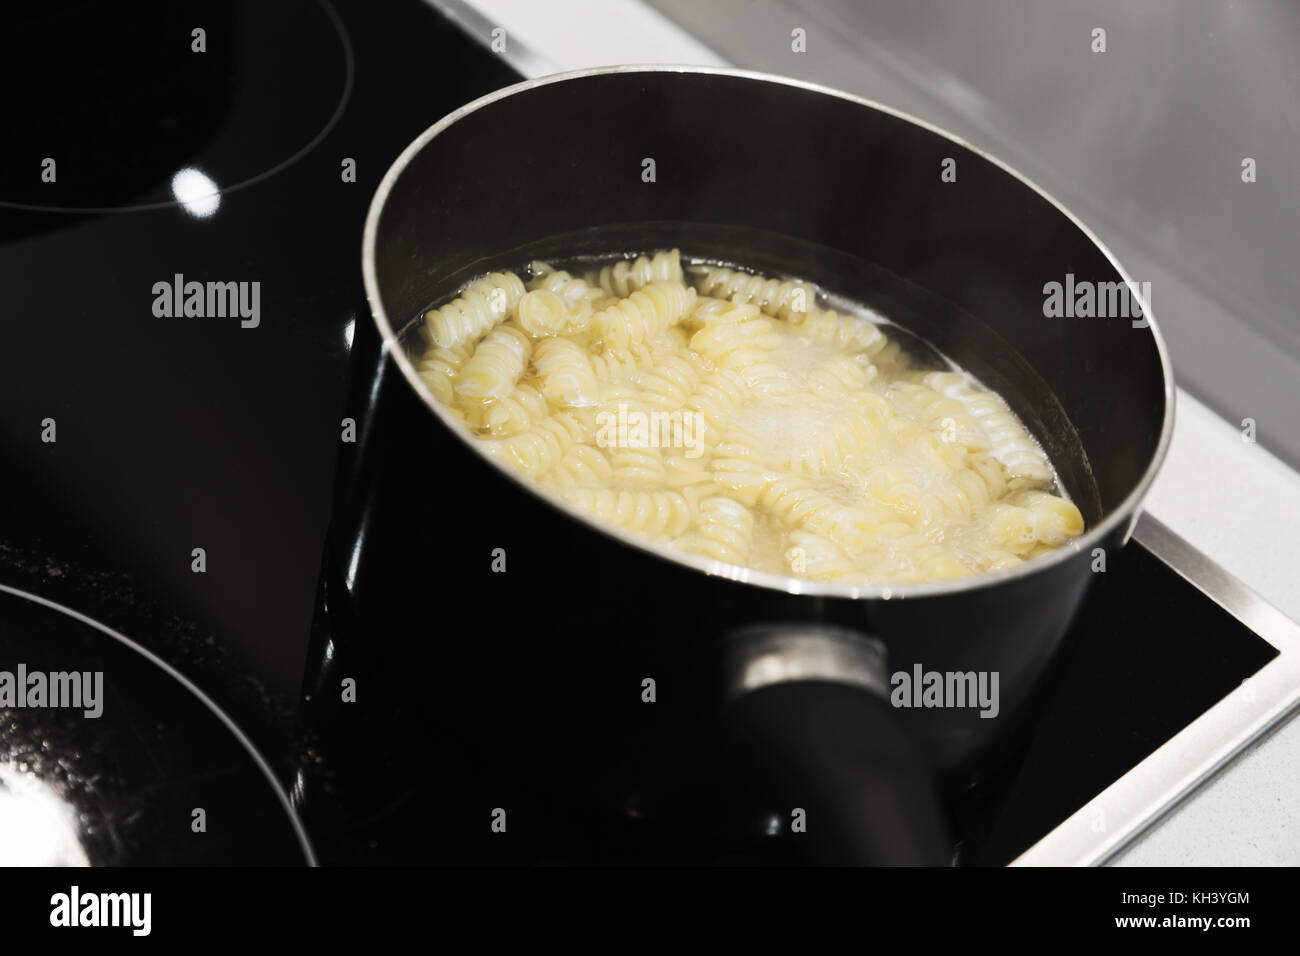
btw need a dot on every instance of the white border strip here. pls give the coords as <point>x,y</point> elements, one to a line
<point>303,840</point>
<point>557,35</point>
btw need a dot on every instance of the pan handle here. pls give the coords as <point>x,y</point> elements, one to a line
<point>807,725</point>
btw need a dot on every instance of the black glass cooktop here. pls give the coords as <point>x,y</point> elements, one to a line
<point>175,478</point>
<point>189,432</point>
<point>153,106</point>
<point>107,758</point>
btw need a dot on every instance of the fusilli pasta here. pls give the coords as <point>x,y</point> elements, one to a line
<point>742,421</point>
<point>484,303</point>
<point>623,278</point>
<point>642,316</point>
<point>495,366</point>
<point>770,295</point>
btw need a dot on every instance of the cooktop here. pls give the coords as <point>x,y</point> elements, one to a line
<point>183,517</point>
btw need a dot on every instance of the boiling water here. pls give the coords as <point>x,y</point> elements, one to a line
<point>897,507</point>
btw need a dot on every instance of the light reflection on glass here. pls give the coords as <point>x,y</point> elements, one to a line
<point>354,563</point>
<point>299,788</point>
<point>37,827</point>
<point>196,192</point>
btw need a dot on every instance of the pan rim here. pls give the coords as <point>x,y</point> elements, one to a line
<point>1128,510</point>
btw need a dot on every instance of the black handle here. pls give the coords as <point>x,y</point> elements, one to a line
<point>817,754</point>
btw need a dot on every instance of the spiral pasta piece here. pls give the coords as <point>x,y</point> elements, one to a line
<point>624,366</point>
<point>708,311</point>
<point>769,295</point>
<point>1055,520</point>
<point>624,278</point>
<point>537,449</point>
<point>642,316</point>
<point>740,465</point>
<point>637,468</point>
<point>438,370</point>
<point>573,290</point>
<point>566,373</point>
<point>1006,438</point>
<point>559,304</point>
<point>656,513</point>
<point>800,505</point>
<point>495,366</point>
<point>944,415</point>
<point>840,375</point>
<point>483,304</point>
<point>715,398</point>
<point>837,440</point>
<point>544,313</point>
<point>923,560</point>
<point>582,467</point>
<point>1021,528</point>
<point>812,556</point>
<point>518,411</point>
<point>743,340</point>
<point>963,494</point>
<point>842,331</point>
<point>669,384</point>
<point>725,532</point>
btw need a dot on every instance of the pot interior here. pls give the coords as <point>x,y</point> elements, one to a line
<point>791,182</point>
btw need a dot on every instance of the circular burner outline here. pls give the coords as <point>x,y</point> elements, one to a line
<point>304,841</point>
<point>349,71</point>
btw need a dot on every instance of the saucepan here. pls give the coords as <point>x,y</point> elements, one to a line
<point>950,244</point>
